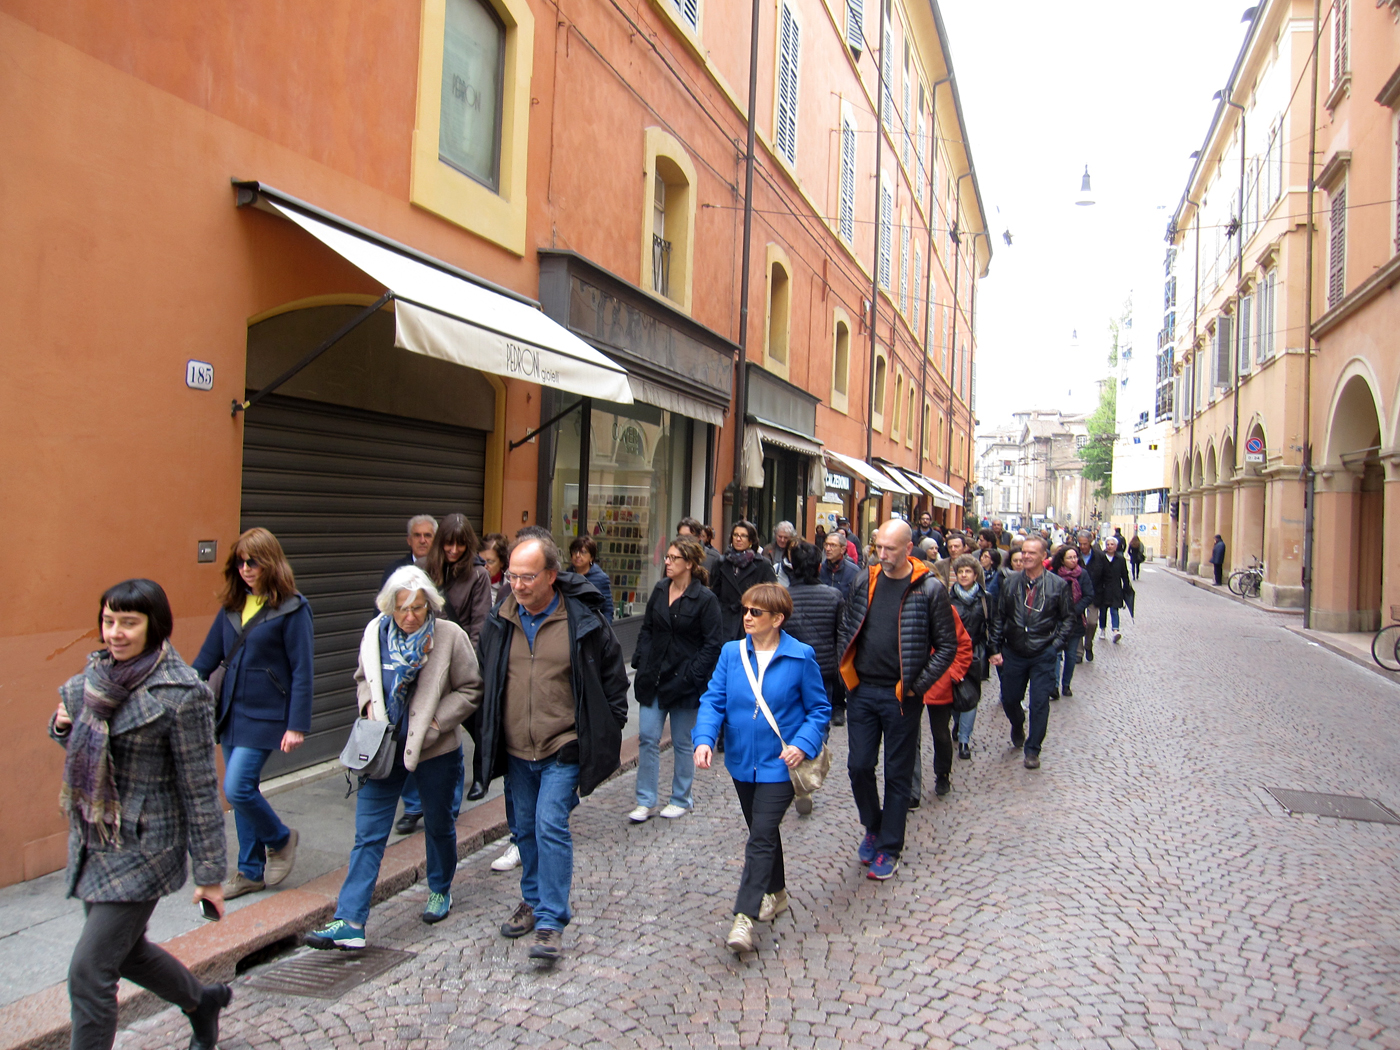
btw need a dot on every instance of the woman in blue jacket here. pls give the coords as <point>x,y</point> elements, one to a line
<point>788,676</point>
<point>264,701</point>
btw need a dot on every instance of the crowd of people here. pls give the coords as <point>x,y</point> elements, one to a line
<point>754,652</point>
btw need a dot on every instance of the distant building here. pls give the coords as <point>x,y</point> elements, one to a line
<point>1032,469</point>
<point>1140,496</point>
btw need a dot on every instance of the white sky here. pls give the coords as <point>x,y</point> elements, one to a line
<point>1121,85</point>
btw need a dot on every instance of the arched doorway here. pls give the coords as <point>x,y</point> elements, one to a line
<point>1350,515</point>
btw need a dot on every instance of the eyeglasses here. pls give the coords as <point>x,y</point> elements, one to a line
<point>675,557</point>
<point>251,563</point>
<point>749,610</point>
<point>522,578</point>
<point>416,610</point>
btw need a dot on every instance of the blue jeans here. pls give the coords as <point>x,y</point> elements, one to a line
<point>374,818</point>
<point>1104,614</point>
<point>545,794</point>
<point>413,803</point>
<point>651,720</point>
<point>963,721</point>
<point>1065,664</point>
<point>873,713</point>
<point>259,826</point>
<point>1037,672</point>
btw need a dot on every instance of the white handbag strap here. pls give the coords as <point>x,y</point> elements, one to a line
<point>757,684</point>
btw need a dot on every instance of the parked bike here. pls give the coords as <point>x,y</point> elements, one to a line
<point>1247,581</point>
<point>1385,646</point>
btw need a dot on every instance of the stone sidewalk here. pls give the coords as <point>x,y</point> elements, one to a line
<point>1140,890</point>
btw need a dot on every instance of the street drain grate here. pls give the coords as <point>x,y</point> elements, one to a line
<point>1341,807</point>
<point>327,975</point>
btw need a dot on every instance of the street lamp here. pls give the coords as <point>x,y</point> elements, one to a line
<point>1086,196</point>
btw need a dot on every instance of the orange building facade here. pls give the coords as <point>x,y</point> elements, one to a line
<point>197,201</point>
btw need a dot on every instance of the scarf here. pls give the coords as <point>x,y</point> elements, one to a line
<point>407,654</point>
<point>89,788</point>
<point>967,594</point>
<point>1071,576</point>
<point>741,560</point>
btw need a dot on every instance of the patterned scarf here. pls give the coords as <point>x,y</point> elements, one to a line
<point>1071,576</point>
<point>739,559</point>
<point>89,783</point>
<point>407,654</point>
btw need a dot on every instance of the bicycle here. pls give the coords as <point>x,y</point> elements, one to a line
<point>1246,582</point>
<point>1385,646</point>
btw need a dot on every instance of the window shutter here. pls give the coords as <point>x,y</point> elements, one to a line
<point>886,232</point>
<point>848,181</point>
<point>908,115</point>
<point>855,24</point>
<point>1340,59</point>
<point>903,266</point>
<point>1397,185</point>
<point>789,48</point>
<point>887,75</point>
<point>1337,249</point>
<point>1223,335</point>
<point>1246,332</point>
<point>918,287</point>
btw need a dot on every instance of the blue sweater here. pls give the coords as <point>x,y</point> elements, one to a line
<point>793,688</point>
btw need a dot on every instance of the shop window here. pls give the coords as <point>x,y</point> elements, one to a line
<point>898,404</point>
<point>877,395</point>
<point>841,364</point>
<point>668,219</point>
<point>779,311</point>
<point>470,141</point>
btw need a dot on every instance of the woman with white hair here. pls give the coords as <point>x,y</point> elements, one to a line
<point>418,672</point>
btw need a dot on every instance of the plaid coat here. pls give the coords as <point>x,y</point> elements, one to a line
<point>163,758</point>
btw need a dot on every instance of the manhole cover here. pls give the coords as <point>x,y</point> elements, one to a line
<point>1342,807</point>
<point>327,975</point>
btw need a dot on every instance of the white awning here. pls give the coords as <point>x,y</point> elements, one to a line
<point>898,481</point>
<point>921,481</point>
<point>674,401</point>
<point>951,494</point>
<point>439,314</point>
<point>859,468</point>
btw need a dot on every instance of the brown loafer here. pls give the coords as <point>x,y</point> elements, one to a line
<point>237,884</point>
<point>280,861</point>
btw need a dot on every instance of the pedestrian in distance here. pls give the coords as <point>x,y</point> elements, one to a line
<point>421,530</point>
<point>676,653</point>
<point>778,553</point>
<point>817,613</point>
<point>741,569</point>
<point>838,570</point>
<point>1137,554</point>
<point>990,560</point>
<point>418,672</point>
<point>494,550</point>
<point>975,606</point>
<point>583,556</point>
<point>1065,565</point>
<point>898,639</point>
<point>262,644</point>
<point>553,707</point>
<point>1031,624</point>
<point>1217,560</point>
<point>703,534</point>
<point>137,725</point>
<point>1091,560</point>
<point>1114,587</point>
<point>769,662</point>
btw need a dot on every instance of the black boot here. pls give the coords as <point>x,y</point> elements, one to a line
<point>205,1018</point>
<point>476,791</point>
<point>838,716</point>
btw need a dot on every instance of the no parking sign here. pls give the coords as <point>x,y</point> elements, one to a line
<point>1254,450</point>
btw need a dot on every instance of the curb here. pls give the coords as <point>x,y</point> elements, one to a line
<point>1225,592</point>
<point>1345,653</point>
<point>41,1021</point>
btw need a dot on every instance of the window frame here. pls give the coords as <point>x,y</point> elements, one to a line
<point>679,209</point>
<point>878,391</point>
<point>776,258</point>
<point>840,371</point>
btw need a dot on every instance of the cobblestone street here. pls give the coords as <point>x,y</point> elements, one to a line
<point>1140,890</point>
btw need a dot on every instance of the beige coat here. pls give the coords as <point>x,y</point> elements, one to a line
<point>447,692</point>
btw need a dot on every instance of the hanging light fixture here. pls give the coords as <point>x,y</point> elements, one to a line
<point>1086,195</point>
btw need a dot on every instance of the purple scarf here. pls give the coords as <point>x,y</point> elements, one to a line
<point>89,783</point>
<point>741,560</point>
<point>1071,576</point>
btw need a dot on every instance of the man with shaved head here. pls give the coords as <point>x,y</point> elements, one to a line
<point>898,638</point>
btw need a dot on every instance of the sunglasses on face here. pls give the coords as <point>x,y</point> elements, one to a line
<point>749,610</point>
<point>251,563</point>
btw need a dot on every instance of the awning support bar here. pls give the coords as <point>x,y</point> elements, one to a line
<point>346,329</point>
<point>546,424</point>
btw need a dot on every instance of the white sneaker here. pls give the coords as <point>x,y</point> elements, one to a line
<point>640,815</point>
<point>1117,637</point>
<point>672,811</point>
<point>507,860</point>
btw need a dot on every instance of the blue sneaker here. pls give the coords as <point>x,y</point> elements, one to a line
<point>337,934</point>
<point>867,849</point>
<point>882,867</point>
<point>439,904</point>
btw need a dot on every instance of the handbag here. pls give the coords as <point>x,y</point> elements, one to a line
<point>967,694</point>
<point>809,774</point>
<point>369,752</point>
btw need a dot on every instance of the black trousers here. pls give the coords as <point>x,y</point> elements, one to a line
<point>873,715</point>
<point>763,806</point>
<point>1219,568</point>
<point>940,722</point>
<point>113,945</point>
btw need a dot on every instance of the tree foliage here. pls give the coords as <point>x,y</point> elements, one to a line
<point>1102,424</point>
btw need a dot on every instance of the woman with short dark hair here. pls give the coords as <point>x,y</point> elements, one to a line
<point>263,644</point>
<point>741,569</point>
<point>495,554</point>
<point>583,556</point>
<point>770,662</point>
<point>141,793</point>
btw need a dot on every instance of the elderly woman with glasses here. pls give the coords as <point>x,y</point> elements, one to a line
<point>259,660</point>
<point>771,663</point>
<point>418,672</point>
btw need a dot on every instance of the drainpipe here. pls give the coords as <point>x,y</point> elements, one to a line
<point>874,270</point>
<point>1309,476</point>
<point>928,313</point>
<point>741,378</point>
<point>957,280</point>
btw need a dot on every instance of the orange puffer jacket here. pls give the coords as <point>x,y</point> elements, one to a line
<point>942,690</point>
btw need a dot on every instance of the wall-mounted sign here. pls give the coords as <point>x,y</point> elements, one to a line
<point>1254,457</point>
<point>199,375</point>
<point>837,482</point>
<point>1254,445</point>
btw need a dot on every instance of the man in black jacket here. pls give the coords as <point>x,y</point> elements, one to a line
<point>1092,561</point>
<point>1032,624</point>
<point>421,530</point>
<point>897,640</point>
<point>554,704</point>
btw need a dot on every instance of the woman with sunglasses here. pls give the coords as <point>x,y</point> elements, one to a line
<point>741,569</point>
<point>676,652</point>
<point>262,645</point>
<point>770,662</point>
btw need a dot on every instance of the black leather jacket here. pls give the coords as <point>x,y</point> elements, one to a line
<point>1029,630</point>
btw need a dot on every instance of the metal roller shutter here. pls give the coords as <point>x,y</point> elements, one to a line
<point>337,486</point>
